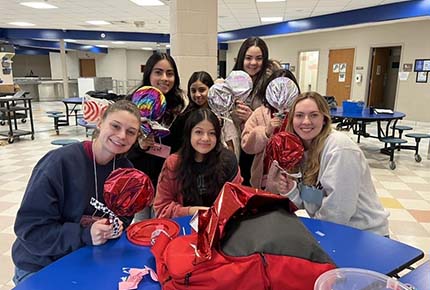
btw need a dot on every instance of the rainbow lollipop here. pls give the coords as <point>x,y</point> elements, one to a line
<point>150,101</point>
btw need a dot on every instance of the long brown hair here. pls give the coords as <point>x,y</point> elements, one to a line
<point>311,167</point>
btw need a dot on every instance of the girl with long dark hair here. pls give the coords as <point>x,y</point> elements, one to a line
<point>252,58</point>
<point>160,72</point>
<point>192,178</point>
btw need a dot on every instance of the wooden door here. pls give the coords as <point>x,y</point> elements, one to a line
<point>339,76</point>
<point>87,68</point>
<point>378,74</point>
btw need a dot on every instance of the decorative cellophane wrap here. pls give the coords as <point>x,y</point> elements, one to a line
<point>234,199</point>
<point>152,105</point>
<point>126,191</point>
<point>281,93</point>
<point>240,84</point>
<point>222,96</point>
<point>220,99</point>
<point>286,148</point>
<point>93,108</point>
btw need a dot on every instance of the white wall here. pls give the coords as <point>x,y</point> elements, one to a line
<point>120,64</point>
<point>411,98</point>
<point>136,58</point>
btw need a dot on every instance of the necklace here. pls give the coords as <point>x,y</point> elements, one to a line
<point>95,170</point>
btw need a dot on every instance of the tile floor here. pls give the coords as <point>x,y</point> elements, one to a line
<point>405,191</point>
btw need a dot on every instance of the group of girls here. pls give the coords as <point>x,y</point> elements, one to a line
<point>195,165</point>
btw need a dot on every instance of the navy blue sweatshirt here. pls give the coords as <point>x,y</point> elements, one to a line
<point>58,193</point>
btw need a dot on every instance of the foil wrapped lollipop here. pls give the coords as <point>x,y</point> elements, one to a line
<point>281,93</point>
<point>152,105</point>
<point>240,84</point>
<point>127,191</point>
<point>286,148</point>
<point>220,100</point>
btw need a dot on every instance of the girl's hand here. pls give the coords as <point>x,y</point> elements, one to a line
<point>243,111</point>
<point>193,209</point>
<point>100,231</point>
<point>278,181</point>
<point>274,123</point>
<point>145,143</point>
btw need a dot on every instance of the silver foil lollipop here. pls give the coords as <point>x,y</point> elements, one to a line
<point>220,99</point>
<point>280,93</point>
<point>240,84</point>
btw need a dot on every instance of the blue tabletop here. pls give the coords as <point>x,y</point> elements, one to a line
<point>101,267</point>
<point>365,115</point>
<point>419,278</point>
<point>75,100</point>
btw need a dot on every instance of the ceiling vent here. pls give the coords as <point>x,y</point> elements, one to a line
<point>139,24</point>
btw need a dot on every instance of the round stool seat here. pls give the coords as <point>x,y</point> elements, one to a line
<point>64,142</point>
<point>53,112</point>
<point>393,140</point>
<point>417,135</point>
<point>401,127</point>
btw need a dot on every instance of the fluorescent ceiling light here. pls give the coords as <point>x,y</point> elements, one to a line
<point>38,5</point>
<point>167,45</point>
<point>21,23</point>
<point>70,40</point>
<point>270,1</point>
<point>98,22</point>
<point>102,46</point>
<point>147,48</point>
<point>271,19</point>
<point>147,2</point>
<point>118,42</point>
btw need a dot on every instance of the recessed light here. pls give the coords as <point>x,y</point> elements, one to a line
<point>271,19</point>
<point>98,22</point>
<point>118,42</point>
<point>147,48</point>
<point>147,2</point>
<point>38,5</point>
<point>19,23</point>
<point>270,1</point>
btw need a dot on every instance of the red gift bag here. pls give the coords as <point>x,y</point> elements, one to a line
<point>249,239</point>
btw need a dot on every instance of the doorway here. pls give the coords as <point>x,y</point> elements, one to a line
<point>308,68</point>
<point>339,75</point>
<point>384,70</point>
<point>87,67</point>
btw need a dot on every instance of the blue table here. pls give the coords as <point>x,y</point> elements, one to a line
<point>74,103</point>
<point>419,278</point>
<point>358,120</point>
<point>101,267</point>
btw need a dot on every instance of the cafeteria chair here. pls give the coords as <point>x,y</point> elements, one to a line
<point>64,142</point>
<point>394,143</point>
<point>89,128</point>
<point>56,115</point>
<point>400,128</point>
<point>417,137</point>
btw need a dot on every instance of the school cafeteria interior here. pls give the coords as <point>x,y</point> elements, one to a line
<point>379,43</point>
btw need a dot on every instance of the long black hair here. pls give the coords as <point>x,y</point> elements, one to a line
<point>259,79</point>
<point>213,173</point>
<point>202,76</point>
<point>174,101</point>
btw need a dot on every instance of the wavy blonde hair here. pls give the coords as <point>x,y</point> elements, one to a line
<point>311,167</point>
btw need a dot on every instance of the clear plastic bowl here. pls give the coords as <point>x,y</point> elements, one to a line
<point>356,279</point>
